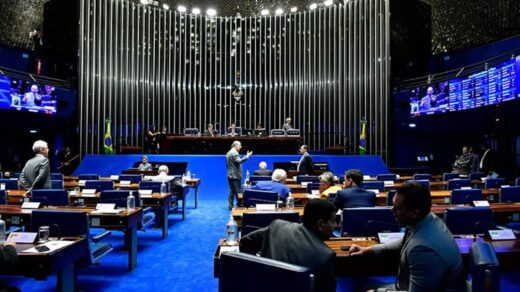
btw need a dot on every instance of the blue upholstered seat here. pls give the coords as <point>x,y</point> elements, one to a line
<point>465,196</point>
<point>374,185</point>
<point>387,177</point>
<point>454,184</point>
<point>484,268</point>
<point>50,197</point>
<point>99,185</point>
<point>449,175</point>
<point>469,220</point>
<point>253,197</point>
<point>254,220</point>
<point>368,221</point>
<point>509,194</point>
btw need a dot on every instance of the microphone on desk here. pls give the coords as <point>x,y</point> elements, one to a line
<point>480,224</point>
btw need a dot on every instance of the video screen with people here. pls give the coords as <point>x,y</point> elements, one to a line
<point>497,84</point>
<point>23,95</point>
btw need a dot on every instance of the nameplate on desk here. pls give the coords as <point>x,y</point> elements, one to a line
<point>481,203</point>
<point>125,183</point>
<point>72,193</point>
<point>385,237</point>
<point>88,192</point>
<point>315,192</point>
<point>31,205</point>
<point>265,207</point>
<point>145,192</point>
<point>366,177</point>
<point>103,207</point>
<point>81,182</point>
<point>465,188</point>
<point>506,234</point>
<point>114,177</point>
<point>373,190</point>
<point>304,183</point>
<point>229,248</point>
<point>22,237</point>
<point>388,183</point>
<point>2,187</point>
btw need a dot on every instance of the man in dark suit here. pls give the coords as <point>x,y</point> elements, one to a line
<point>234,170</point>
<point>300,244</point>
<point>353,195</point>
<point>430,257</point>
<point>305,166</point>
<point>263,169</point>
<point>488,163</point>
<point>36,173</point>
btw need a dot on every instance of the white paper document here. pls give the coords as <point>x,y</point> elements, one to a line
<point>51,245</point>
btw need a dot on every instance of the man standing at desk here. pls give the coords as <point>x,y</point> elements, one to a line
<point>430,257</point>
<point>36,173</point>
<point>305,166</point>
<point>234,170</point>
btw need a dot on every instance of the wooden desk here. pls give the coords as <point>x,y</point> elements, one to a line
<point>60,261</point>
<point>126,221</point>
<point>238,213</point>
<point>195,183</point>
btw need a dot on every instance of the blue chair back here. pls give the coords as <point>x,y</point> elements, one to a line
<point>50,197</point>
<point>387,177</point>
<point>155,186</point>
<point>465,196</point>
<point>119,197</point>
<point>3,197</point>
<point>476,175</point>
<point>252,197</point>
<point>484,267</point>
<point>373,185</point>
<point>421,176</point>
<point>88,176</point>
<point>449,175</point>
<point>56,176</point>
<point>258,274</point>
<point>307,178</point>
<point>469,220</point>
<point>510,194</point>
<point>133,178</point>
<point>312,187</point>
<point>99,185</point>
<point>257,178</point>
<point>368,221</point>
<point>10,184</point>
<point>494,183</point>
<point>454,184</point>
<point>255,220</point>
<point>57,184</point>
<point>424,182</point>
<point>390,197</point>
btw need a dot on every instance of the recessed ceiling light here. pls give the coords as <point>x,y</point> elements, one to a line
<point>181,8</point>
<point>313,6</point>
<point>211,12</point>
<point>195,11</point>
<point>294,9</point>
<point>279,11</point>
<point>166,7</point>
<point>264,12</point>
<point>328,2</point>
<point>33,131</point>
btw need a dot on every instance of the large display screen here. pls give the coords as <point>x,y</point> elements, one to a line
<point>23,95</point>
<point>497,84</point>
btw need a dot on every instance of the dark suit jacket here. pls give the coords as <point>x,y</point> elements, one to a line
<point>306,166</point>
<point>263,172</point>
<point>36,174</point>
<point>8,259</point>
<point>295,244</point>
<point>354,197</point>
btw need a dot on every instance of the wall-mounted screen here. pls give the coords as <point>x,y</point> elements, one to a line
<point>497,84</point>
<point>23,95</point>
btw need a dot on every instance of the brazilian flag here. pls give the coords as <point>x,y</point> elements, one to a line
<point>107,147</point>
<point>363,138</point>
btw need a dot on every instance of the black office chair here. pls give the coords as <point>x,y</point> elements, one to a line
<point>484,268</point>
<point>10,184</point>
<point>465,196</point>
<point>368,221</point>
<point>57,184</point>
<point>387,177</point>
<point>495,183</point>
<point>240,272</point>
<point>99,185</point>
<point>253,197</point>
<point>469,220</point>
<point>56,176</point>
<point>422,176</point>
<point>133,178</point>
<point>50,197</point>
<point>307,178</point>
<point>155,186</point>
<point>447,176</point>
<point>88,176</point>
<point>118,197</point>
<point>73,223</point>
<point>509,194</point>
<point>374,185</point>
<point>252,221</point>
<point>454,184</point>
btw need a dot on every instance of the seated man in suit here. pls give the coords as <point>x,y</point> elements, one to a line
<point>277,184</point>
<point>462,164</point>
<point>300,244</point>
<point>353,195</point>
<point>430,257</point>
<point>263,169</point>
<point>145,165</point>
<point>327,185</point>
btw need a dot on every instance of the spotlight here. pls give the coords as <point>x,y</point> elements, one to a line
<point>144,2</point>
<point>278,11</point>
<point>166,7</point>
<point>412,125</point>
<point>181,8</point>
<point>313,6</point>
<point>33,131</point>
<point>211,12</point>
<point>328,2</point>
<point>264,12</point>
<point>294,9</point>
<point>195,11</point>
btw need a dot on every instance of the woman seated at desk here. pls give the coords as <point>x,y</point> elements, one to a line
<point>327,185</point>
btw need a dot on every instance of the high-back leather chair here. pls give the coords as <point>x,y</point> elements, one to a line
<point>469,220</point>
<point>494,183</point>
<point>88,176</point>
<point>454,184</point>
<point>10,184</point>
<point>447,176</point>
<point>245,272</point>
<point>421,176</point>
<point>368,221</point>
<point>465,196</point>
<point>307,178</point>
<point>50,197</point>
<point>133,178</point>
<point>99,185</point>
<point>253,197</point>
<point>424,182</point>
<point>387,177</point>
<point>484,268</point>
<point>255,220</point>
<point>509,194</point>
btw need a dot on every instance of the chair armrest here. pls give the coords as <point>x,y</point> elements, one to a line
<point>100,237</point>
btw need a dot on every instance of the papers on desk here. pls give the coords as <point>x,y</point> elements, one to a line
<point>72,193</point>
<point>265,207</point>
<point>385,237</point>
<point>388,183</point>
<point>305,183</point>
<point>506,234</point>
<point>465,188</point>
<point>504,186</point>
<point>366,177</point>
<point>373,190</point>
<point>51,245</point>
<point>125,183</point>
<point>229,248</point>
<point>22,237</point>
<point>106,209</point>
<point>114,177</point>
<point>145,193</point>
<point>81,183</point>
<point>88,192</point>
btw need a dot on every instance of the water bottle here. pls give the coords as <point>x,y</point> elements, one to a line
<point>130,201</point>
<point>2,231</point>
<point>290,202</point>
<point>248,176</point>
<point>183,179</point>
<point>188,175</point>
<point>164,189</point>
<point>231,231</point>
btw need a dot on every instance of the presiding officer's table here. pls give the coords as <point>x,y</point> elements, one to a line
<point>171,144</point>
